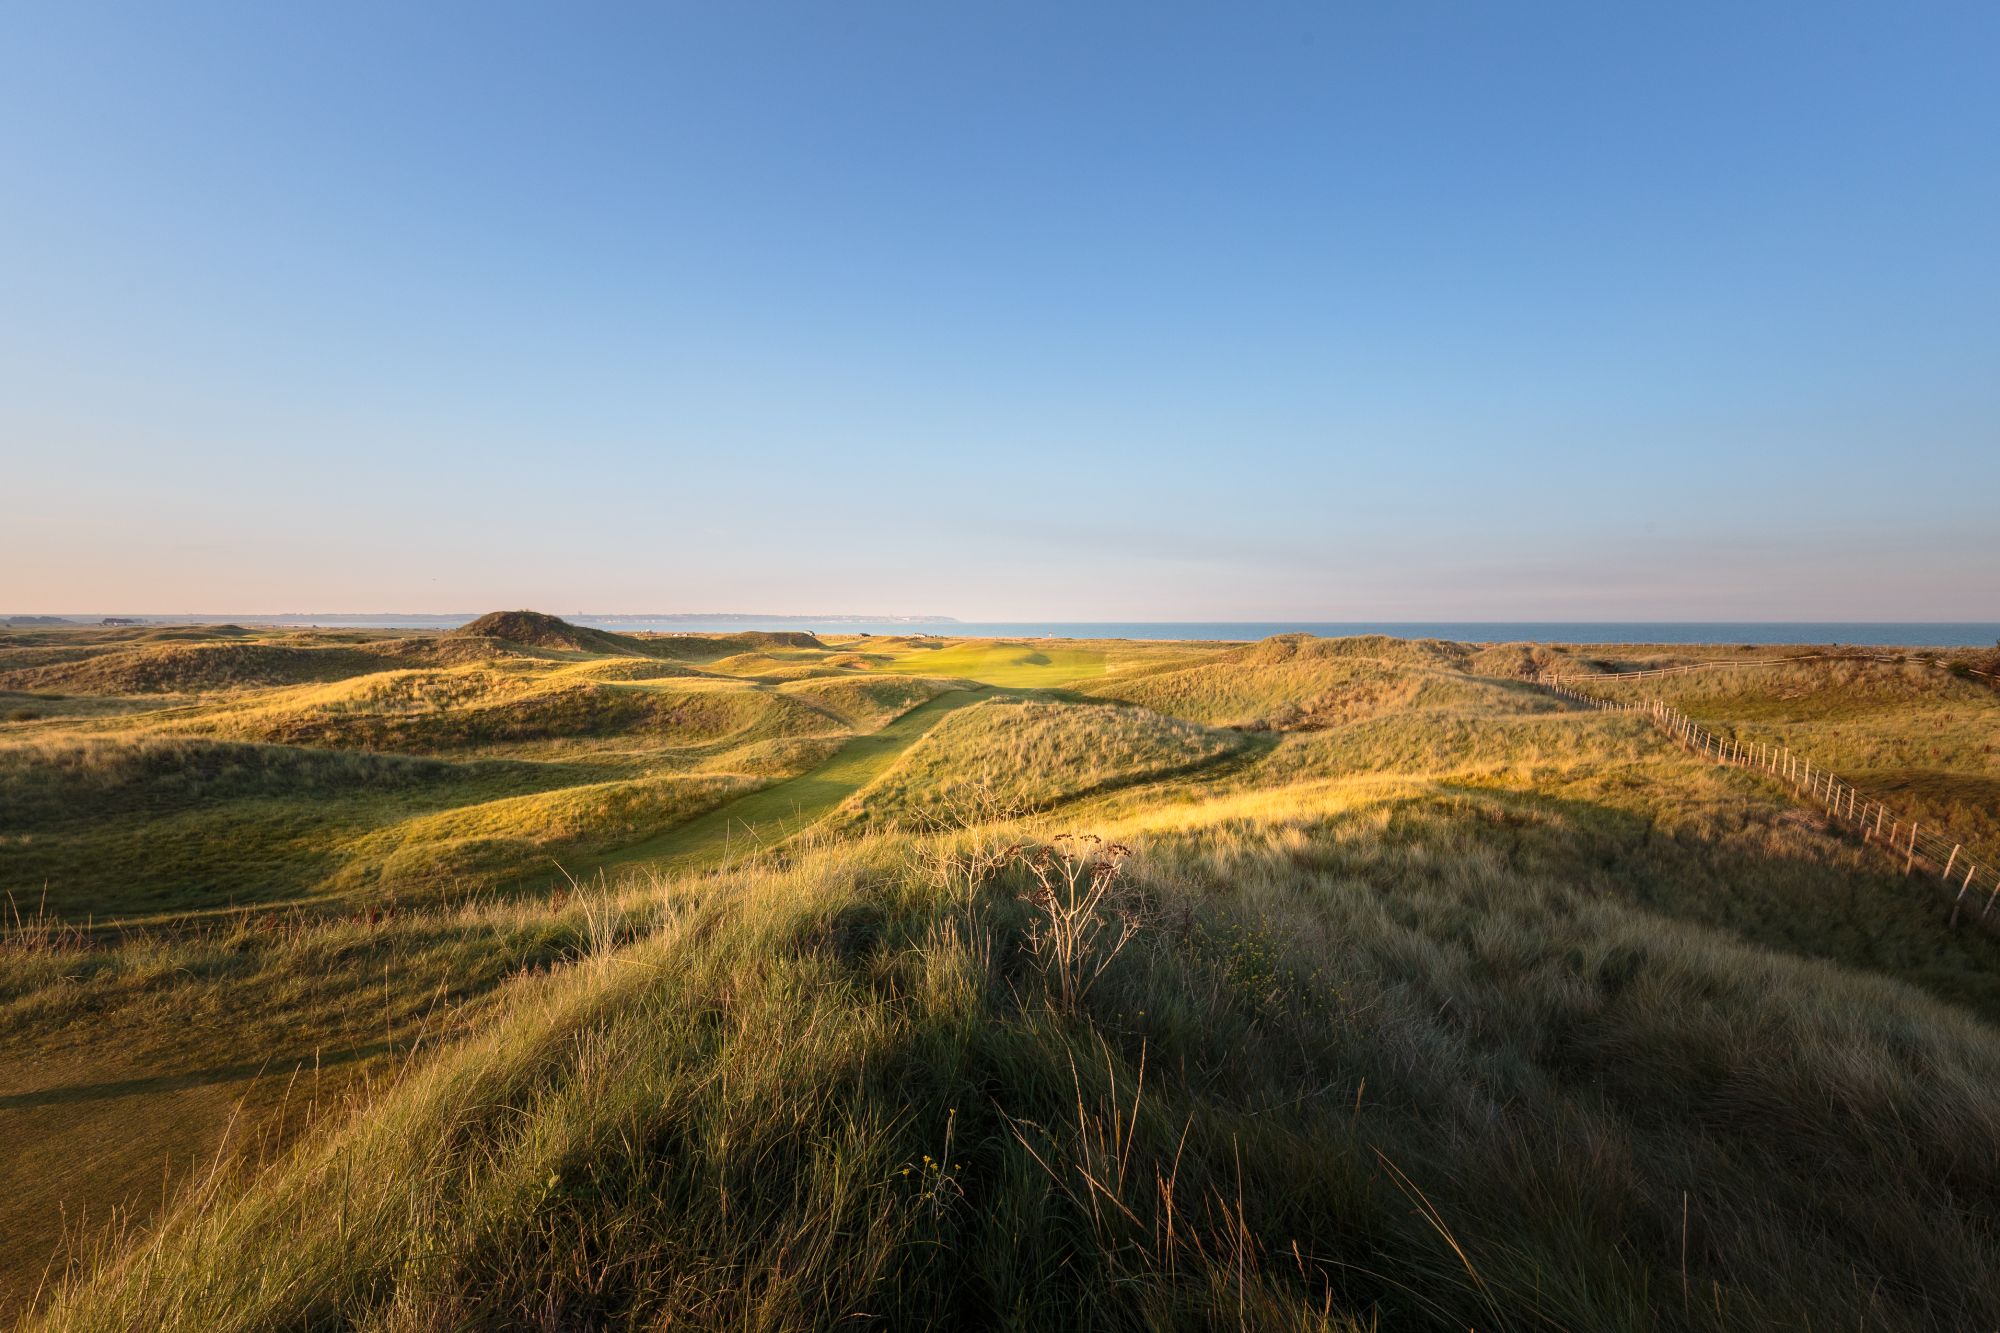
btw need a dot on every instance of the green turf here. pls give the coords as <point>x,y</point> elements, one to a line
<point>767,817</point>
<point>1014,665</point>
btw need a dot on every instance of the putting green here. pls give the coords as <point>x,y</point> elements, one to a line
<point>1012,665</point>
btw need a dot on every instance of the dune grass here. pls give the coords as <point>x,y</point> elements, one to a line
<point>1412,999</point>
<point>128,1065</point>
<point>1292,683</point>
<point>293,768</point>
<point>1920,738</point>
<point>1354,1071</point>
<point>1011,755</point>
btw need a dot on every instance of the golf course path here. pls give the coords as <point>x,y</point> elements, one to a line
<point>769,815</point>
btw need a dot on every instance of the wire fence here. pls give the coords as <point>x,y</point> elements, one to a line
<point>1917,844</point>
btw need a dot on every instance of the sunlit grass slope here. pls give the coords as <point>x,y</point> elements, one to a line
<point>1296,682</point>
<point>1021,665</point>
<point>1009,756</point>
<point>1923,739</point>
<point>147,775</point>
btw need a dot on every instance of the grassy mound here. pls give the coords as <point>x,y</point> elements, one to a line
<point>1295,682</point>
<point>445,650</point>
<point>1007,756</point>
<point>85,779</point>
<point>1320,1086</point>
<point>17,656</point>
<point>868,702</point>
<point>422,712</point>
<point>490,841</point>
<point>1513,661</point>
<point>1437,654</point>
<point>191,668</point>
<point>623,669</point>
<point>779,757</point>
<point>1914,735</point>
<point>533,629</point>
<point>754,646</point>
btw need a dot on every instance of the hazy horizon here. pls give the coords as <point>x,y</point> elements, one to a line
<point>947,618</point>
<point>1557,312</point>
<point>1953,633</point>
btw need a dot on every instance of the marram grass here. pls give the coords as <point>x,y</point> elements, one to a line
<point>1305,985</point>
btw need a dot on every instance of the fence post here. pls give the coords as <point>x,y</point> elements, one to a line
<point>1910,861</point>
<point>1950,861</point>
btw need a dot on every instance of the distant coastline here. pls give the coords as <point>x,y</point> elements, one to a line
<point>1908,634</point>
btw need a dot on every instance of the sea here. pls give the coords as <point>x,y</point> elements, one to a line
<point>1907,634</point>
<point>1859,634</point>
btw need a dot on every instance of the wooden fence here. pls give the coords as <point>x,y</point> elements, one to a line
<point>1916,844</point>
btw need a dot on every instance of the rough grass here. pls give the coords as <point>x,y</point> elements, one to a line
<point>193,668</point>
<point>168,1053</point>
<point>89,777</point>
<point>190,668</point>
<point>1443,1006</point>
<point>482,844</point>
<point>1920,738</point>
<point>434,712</point>
<point>1290,683</point>
<point>1356,1070</point>
<point>868,702</point>
<point>1009,756</point>
<point>146,806</point>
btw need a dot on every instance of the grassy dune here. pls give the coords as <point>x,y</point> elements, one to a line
<point>1396,993</point>
<point>127,1069</point>
<point>493,838</point>
<point>869,702</point>
<point>1926,741</point>
<point>1297,683</point>
<point>268,769</point>
<point>1010,756</point>
<point>1354,1069</point>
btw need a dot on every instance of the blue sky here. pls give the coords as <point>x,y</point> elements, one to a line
<point>1003,311</point>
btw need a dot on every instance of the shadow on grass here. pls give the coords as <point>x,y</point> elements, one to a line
<point>158,1083</point>
<point>1816,893</point>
